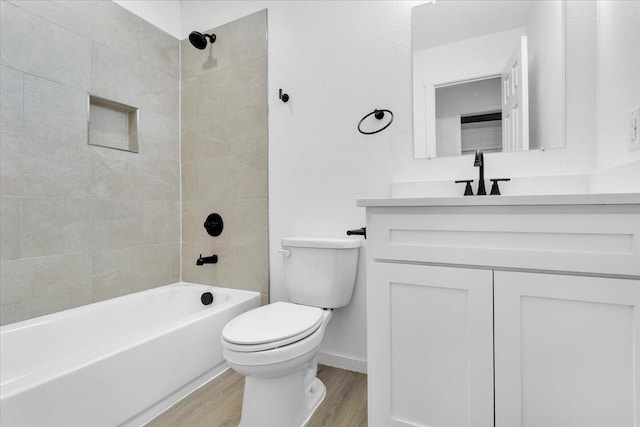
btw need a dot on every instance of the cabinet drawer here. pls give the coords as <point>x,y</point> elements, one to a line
<point>592,239</point>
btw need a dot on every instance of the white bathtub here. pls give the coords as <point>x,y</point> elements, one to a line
<point>118,362</point>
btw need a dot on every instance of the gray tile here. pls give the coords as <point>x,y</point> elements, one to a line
<point>38,286</point>
<point>55,111</point>
<point>10,211</point>
<point>161,172</point>
<point>36,46</point>
<point>190,181</point>
<point>156,128</point>
<point>116,174</point>
<point>241,85</point>
<point>104,22</point>
<point>161,221</point>
<point>123,271</point>
<point>45,157</point>
<point>243,268</point>
<point>133,82</point>
<point>116,77</point>
<point>55,226</point>
<point>249,133</point>
<point>242,131</point>
<point>160,49</point>
<point>202,138</point>
<point>12,312</point>
<point>115,27</point>
<point>233,178</point>
<point>11,98</point>
<point>248,224</point>
<point>11,183</point>
<point>165,101</point>
<point>248,37</point>
<point>116,224</point>
<point>36,166</point>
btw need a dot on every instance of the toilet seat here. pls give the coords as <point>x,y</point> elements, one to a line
<point>271,326</point>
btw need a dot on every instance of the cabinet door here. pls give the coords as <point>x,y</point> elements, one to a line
<point>430,346</point>
<point>566,350</point>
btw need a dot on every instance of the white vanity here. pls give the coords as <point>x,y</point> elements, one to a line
<point>526,304</point>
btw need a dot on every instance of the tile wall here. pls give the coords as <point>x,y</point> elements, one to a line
<point>224,155</point>
<point>79,223</point>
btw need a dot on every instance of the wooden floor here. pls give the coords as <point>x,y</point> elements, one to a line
<point>219,403</point>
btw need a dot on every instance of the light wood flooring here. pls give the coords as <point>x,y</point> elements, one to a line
<point>219,403</point>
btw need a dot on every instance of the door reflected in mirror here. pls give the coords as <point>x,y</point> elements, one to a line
<point>487,75</point>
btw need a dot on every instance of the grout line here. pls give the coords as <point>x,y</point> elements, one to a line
<point>180,152</point>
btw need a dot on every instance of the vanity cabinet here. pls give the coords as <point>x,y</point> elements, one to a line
<point>432,354</point>
<point>567,350</point>
<point>532,300</point>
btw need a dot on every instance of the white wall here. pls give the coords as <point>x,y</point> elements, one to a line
<point>618,91</point>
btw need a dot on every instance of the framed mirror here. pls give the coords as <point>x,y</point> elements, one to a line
<point>487,74</point>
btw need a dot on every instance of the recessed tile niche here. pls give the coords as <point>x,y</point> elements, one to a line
<point>112,124</point>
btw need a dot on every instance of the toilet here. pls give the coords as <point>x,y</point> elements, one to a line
<point>275,346</point>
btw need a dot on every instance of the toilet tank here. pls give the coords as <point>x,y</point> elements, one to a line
<point>320,272</point>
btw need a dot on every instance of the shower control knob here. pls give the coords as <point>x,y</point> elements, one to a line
<point>214,224</point>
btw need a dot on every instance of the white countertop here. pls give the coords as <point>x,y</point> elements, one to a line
<point>541,200</point>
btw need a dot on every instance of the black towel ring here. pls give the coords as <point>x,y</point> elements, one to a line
<point>379,114</point>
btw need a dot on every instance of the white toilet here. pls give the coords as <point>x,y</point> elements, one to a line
<point>275,346</point>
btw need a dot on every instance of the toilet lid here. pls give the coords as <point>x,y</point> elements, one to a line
<point>272,324</point>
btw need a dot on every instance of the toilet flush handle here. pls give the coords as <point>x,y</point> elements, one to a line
<point>285,252</point>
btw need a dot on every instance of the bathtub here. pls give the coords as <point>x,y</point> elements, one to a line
<point>119,362</point>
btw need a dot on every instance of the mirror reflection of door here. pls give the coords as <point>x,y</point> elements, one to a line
<point>515,100</point>
<point>487,113</point>
<point>468,116</point>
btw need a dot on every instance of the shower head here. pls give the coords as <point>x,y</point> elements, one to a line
<point>199,40</point>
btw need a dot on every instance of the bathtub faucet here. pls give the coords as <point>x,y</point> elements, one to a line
<point>213,259</point>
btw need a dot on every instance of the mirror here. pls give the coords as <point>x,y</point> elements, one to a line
<point>487,74</point>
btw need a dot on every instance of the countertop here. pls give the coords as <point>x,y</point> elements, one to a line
<point>520,200</point>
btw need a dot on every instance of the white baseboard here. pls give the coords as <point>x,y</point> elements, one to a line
<point>343,362</point>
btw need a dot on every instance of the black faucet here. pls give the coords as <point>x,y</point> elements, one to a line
<point>479,162</point>
<point>213,259</point>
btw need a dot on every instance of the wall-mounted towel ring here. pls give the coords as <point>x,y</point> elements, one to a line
<point>378,114</point>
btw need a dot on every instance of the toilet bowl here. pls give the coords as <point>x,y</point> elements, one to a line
<point>276,346</point>
<point>280,385</point>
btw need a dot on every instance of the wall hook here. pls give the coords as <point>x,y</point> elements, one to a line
<point>283,96</point>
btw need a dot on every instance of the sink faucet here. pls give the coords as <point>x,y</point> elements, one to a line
<point>479,162</point>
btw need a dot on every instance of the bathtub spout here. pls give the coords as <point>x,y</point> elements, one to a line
<point>213,259</point>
